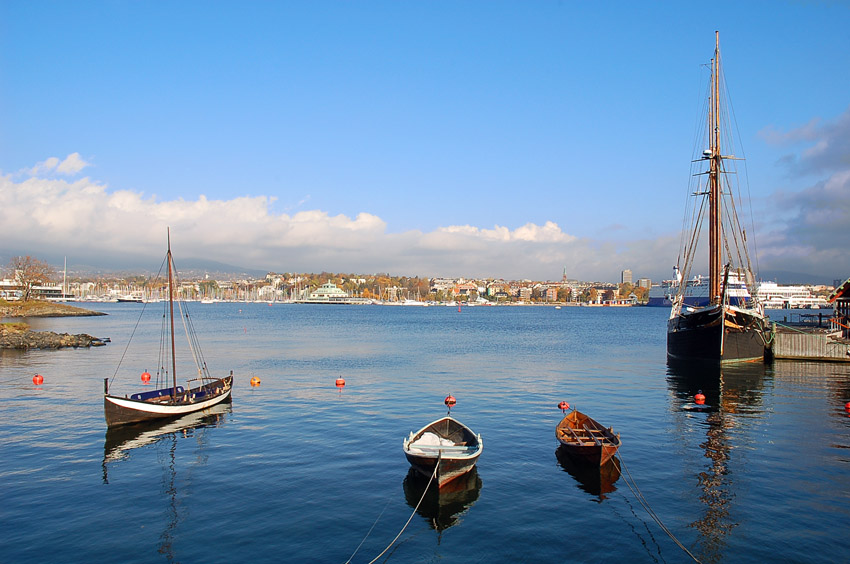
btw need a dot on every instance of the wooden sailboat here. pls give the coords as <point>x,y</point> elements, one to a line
<point>726,329</point>
<point>585,438</point>
<point>173,401</point>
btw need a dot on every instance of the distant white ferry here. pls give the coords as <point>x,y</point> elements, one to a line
<point>329,293</point>
<point>770,294</point>
<point>774,296</point>
<point>696,292</point>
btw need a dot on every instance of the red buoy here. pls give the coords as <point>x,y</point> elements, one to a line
<point>699,399</point>
<point>146,377</point>
<point>450,401</point>
<point>563,406</point>
<point>38,379</point>
<point>340,382</point>
<point>847,407</point>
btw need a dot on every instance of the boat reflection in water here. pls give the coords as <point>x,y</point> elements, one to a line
<point>442,507</point>
<point>163,436</point>
<point>731,391</point>
<point>120,441</point>
<point>593,479</point>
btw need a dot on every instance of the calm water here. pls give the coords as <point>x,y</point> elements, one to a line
<point>297,471</point>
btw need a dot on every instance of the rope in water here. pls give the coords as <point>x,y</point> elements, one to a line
<point>645,504</point>
<point>409,519</point>
<point>369,533</point>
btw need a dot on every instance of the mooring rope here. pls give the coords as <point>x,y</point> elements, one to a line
<point>369,533</point>
<point>415,509</point>
<point>645,504</point>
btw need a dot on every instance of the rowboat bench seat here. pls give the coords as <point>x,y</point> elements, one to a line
<point>457,449</point>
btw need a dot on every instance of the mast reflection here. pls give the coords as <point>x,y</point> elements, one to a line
<point>729,391</point>
<point>120,441</point>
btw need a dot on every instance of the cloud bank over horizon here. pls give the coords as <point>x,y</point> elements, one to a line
<point>85,219</point>
<point>44,210</point>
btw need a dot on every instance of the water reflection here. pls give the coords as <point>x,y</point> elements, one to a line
<point>121,440</point>
<point>729,391</point>
<point>443,507</point>
<point>593,479</point>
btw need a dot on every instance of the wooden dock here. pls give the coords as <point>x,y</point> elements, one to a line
<point>809,344</point>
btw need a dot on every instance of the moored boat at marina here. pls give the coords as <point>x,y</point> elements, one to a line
<point>445,449</point>
<point>584,438</point>
<point>172,401</point>
<point>723,329</point>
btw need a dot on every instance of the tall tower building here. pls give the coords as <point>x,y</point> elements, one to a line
<point>626,277</point>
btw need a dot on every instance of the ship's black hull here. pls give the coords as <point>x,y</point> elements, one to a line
<point>705,336</point>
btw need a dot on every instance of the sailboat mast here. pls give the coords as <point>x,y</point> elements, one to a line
<point>171,315</point>
<point>714,224</point>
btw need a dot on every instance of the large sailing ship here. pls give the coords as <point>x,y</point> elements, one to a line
<point>719,330</point>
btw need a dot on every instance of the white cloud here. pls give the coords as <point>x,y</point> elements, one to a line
<point>44,167</point>
<point>72,164</point>
<point>85,220</point>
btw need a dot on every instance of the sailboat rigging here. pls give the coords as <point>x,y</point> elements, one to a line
<point>732,326</point>
<point>175,400</point>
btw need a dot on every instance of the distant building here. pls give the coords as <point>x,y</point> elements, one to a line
<point>644,283</point>
<point>626,277</point>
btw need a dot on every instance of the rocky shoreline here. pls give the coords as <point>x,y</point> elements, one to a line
<point>17,336</point>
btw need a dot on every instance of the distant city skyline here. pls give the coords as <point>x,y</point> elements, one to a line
<point>503,140</point>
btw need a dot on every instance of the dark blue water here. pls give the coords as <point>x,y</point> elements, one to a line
<point>297,471</point>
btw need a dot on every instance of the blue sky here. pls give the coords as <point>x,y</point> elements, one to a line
<point>504,139</point>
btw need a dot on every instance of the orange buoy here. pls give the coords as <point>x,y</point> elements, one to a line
<point>38,379</point>
<point>699,399</point>
<point>847,407</point>
<point>146,377</point>
<point>255,381</point>
<point>563,406</point>
<point>450,401</point>
<point>340,382</point>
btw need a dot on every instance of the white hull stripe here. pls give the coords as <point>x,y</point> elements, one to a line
<point>164,409</point>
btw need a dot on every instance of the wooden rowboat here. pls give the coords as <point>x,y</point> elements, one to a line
<point>446,445</point>
<point>587,439</point>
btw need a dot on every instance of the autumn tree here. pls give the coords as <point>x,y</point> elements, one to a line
<point>28,272</point>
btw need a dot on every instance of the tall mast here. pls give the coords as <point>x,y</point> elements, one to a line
<point>171,315</point>
<point>714,224</point>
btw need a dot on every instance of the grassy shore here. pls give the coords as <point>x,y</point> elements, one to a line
<point>39,308</point>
